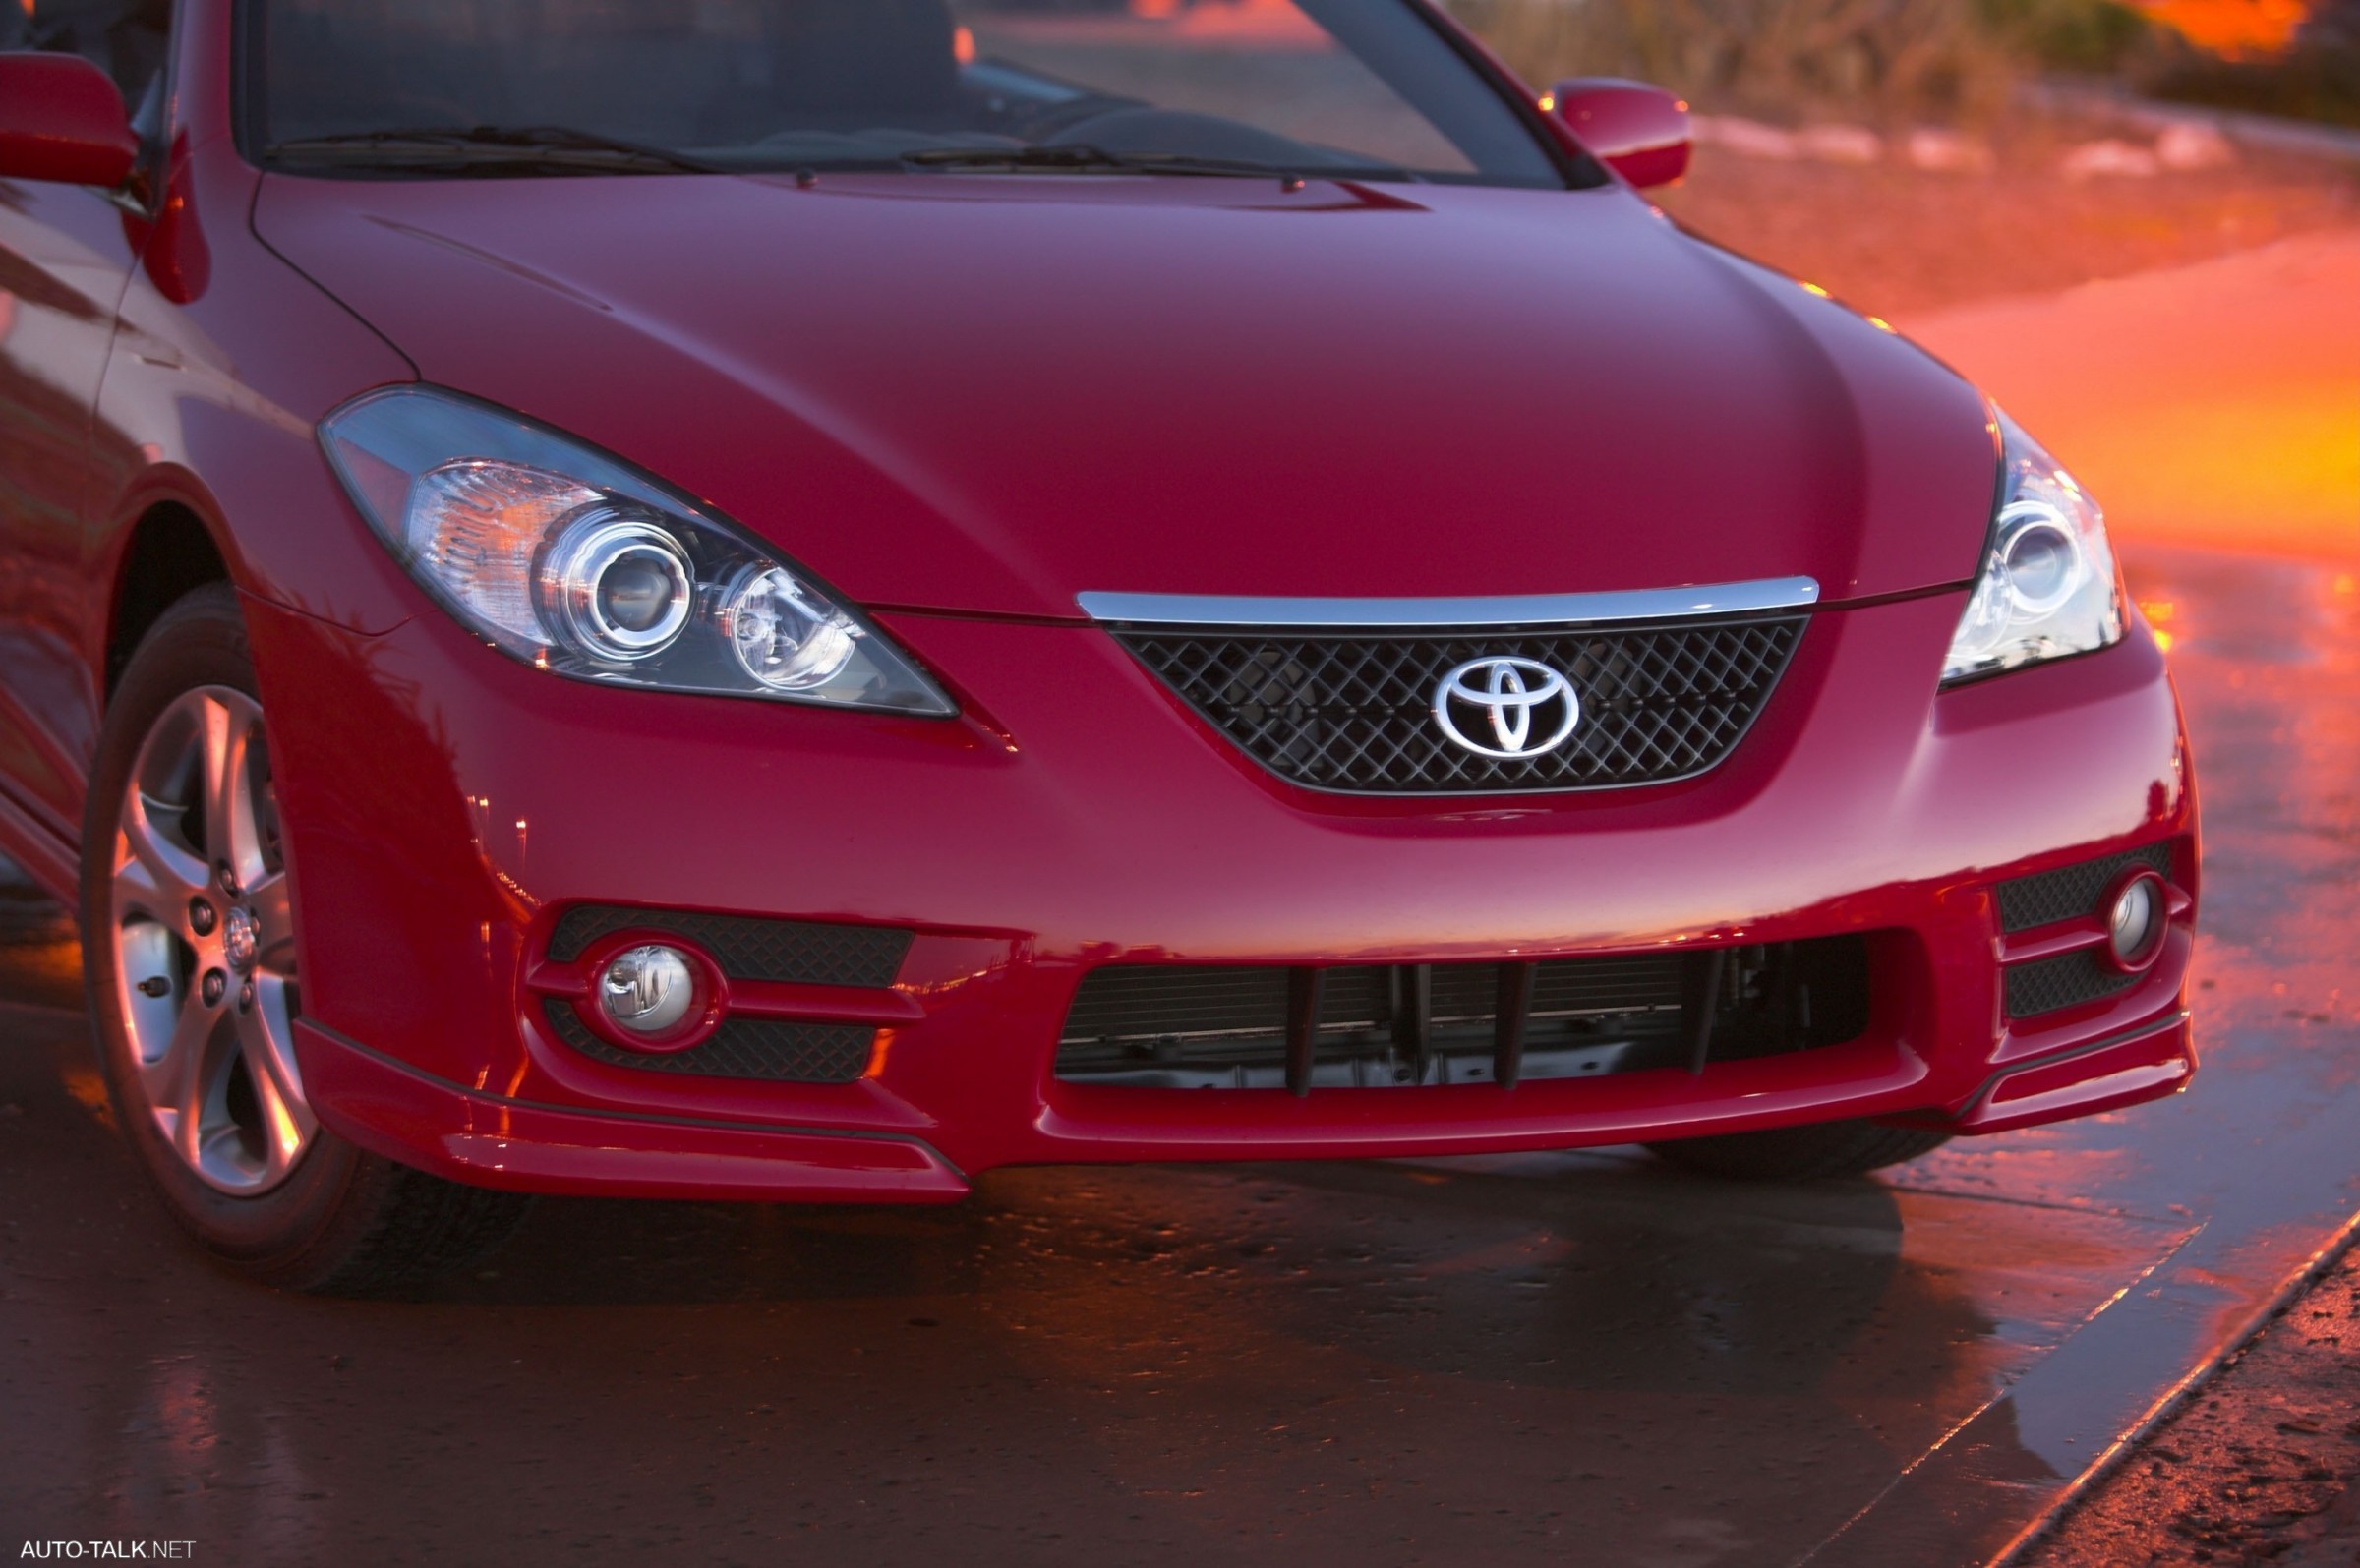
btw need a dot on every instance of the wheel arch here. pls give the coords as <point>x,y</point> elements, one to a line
<point>168,553</point>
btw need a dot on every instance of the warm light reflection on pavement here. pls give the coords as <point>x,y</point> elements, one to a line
<point>2214,405</point>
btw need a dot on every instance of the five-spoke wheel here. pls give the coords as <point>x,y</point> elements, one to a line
<point>205,944</point>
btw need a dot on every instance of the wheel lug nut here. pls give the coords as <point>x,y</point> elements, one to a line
<point>245,996</point>
<point>216,982</point>
<point>202,918</point>
<point>228,879</point>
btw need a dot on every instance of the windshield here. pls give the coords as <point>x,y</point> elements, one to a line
<point>1361,89</point>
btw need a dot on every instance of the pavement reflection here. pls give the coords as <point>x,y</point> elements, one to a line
<point>1528,1358</point>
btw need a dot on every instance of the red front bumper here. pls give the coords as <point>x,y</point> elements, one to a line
<point>448,803</point>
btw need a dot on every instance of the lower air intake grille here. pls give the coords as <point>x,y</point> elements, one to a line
<point>1191,1027</point>
<point>786,951</point>
<point>2071,892</point>
<point>2047,985</point>
<point>741,1048</point>
<point>1350,711</point>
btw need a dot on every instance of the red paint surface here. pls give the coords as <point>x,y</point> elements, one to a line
<point>962,401</point>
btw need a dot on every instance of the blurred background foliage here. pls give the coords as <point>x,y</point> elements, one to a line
<point>2314,75</point>
<point>1774,57</point>
<point>1910,60</point>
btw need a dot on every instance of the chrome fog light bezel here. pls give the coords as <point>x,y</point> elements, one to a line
<point>686,1025</point>
<point>2140,882</point>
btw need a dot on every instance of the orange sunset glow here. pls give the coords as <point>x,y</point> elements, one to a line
<point>2237,28</point>
<point>2214,405</point>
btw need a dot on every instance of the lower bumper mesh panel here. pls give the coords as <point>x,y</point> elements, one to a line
<point>2051,985</point>
<point>786,951</point>
<point>1188,1026</point>
<point>741,1048</point>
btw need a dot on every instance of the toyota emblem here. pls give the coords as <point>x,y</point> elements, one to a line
<point>1526,707</point>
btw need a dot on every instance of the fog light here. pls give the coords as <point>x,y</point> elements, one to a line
<point>2135,923</point>
<point>648,991</point>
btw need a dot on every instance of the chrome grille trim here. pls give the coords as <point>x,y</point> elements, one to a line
<point>1514,609</point>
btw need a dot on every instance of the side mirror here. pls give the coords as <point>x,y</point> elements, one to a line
<point>1639,131</point>
<point>61,121</point>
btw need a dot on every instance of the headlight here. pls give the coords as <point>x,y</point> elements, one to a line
<point>569,561</point>
<point>2048,586</point>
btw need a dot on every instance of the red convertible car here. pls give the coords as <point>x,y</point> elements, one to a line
<point>798,600</point>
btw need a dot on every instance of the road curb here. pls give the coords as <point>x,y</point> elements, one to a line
<point>2176,1398</point>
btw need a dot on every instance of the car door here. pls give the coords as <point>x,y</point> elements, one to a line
<point>65,258</point>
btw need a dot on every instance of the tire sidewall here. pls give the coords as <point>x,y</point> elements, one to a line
<point>199,641</point>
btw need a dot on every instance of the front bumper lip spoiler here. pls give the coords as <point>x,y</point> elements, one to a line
<point>2147,1062</point>
<point>488,1140</point>
<point>484,1139</point>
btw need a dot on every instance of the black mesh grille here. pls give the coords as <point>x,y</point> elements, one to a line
<point>2071,892</point>
<point>1192,1026</point>
<point>787,951</point>
<point>1355,711</point>
<point>1152,1001</point>
<point>2047,985</point>
<point>741,1048</point>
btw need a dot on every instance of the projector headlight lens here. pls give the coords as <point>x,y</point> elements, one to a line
<point>573,562</point>
<point>2048,587</point>
<point>617,588</point>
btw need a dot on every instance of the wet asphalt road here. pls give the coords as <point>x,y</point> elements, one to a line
<point>1581,1358</point>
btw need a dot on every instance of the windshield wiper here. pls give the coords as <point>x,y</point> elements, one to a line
<point>1081,157</point>
<point>489,145</point>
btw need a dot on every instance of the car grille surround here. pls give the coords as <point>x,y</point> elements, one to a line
<point>1352,711</point>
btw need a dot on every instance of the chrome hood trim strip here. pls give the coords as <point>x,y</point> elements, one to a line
<point>1515,609</point>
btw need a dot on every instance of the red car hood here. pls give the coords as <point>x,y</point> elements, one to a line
<point>991,393</point>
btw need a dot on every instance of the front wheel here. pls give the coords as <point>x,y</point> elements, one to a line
<point>188,933</point>
<point>1817,1152</point>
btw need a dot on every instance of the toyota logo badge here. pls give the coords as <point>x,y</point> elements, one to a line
<point>1521,698</point>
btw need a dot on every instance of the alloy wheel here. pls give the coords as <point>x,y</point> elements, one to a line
<point>204,947</point>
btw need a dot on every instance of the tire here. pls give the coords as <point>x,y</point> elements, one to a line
<point>188,965</point>
<point>1815,1153</point>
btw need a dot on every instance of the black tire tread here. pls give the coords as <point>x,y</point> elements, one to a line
<point>419,1229</point>
<point>1821,1151</point>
